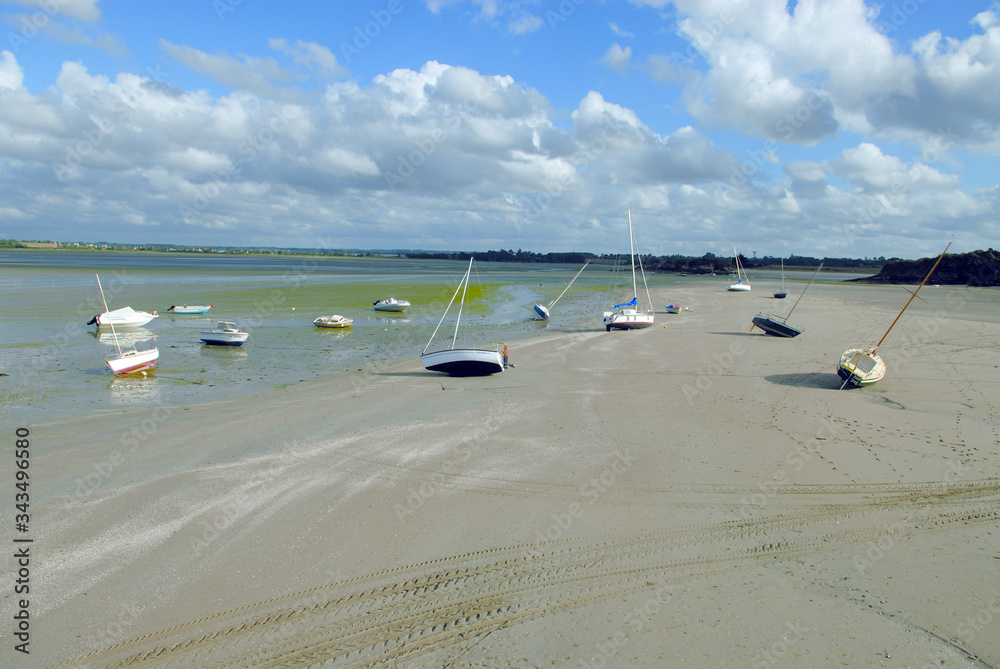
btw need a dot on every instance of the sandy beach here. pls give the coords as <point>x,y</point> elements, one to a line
<point>691,494</point>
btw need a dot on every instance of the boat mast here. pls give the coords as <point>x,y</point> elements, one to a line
<point>465,286</point>
<point>452,301</point>
<point>912,296</point>
<point>631,244</point>
<point>803,292</point>
<point>553,303</point>
<point>110,322</point>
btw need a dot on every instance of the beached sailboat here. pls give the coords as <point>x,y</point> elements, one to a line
<point>131,360</point>
<point>626,316</point>
<point>863,367</point>
<point>463,361</point>
<point>543,310</point>
<point>772,325</point>
<point>742,282</point>
<point>782,294</point>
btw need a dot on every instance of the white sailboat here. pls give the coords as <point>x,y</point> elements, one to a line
<point>131,360</point>
<point>863,367</point>
<point>626,315</point>
<point>742,282</point>
<point>782,294</point>
<point>544,311</point>
<point>463,361</point>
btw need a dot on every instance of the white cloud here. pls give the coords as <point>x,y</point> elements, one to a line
<point>617,58</point>
<point>82,10</point>
<point>11,75</point>
<point>317,59</point>
<point>785,75</point>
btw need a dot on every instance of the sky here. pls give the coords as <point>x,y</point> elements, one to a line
<point>838,128</point>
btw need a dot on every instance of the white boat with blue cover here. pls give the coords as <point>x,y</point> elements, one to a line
<point>627,317</point>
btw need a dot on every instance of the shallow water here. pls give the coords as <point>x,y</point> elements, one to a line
<point>55,366</point>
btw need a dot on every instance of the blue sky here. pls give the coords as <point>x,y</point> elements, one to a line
<point>820,127</point>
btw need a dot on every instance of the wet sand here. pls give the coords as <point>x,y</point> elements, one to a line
<point>688,495</point>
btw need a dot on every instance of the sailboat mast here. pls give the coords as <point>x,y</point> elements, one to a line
<point>631,244</point>
<point>803,292</point>
<point>110,322</point>
<point>553,303</point>
<point>914,295</point>
<point>441,320</point>
<point>461,304</point>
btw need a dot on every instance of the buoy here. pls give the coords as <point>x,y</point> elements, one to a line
<point>144,373</point>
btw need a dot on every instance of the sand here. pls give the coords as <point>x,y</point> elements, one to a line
<point>690,494</point>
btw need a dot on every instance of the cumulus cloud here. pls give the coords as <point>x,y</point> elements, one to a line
<point>618,58</point>
<point>778,72</point>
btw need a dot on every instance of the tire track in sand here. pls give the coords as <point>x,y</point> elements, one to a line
<point>450,602</point>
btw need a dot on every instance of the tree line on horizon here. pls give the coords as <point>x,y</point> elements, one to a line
<point>975,268</point>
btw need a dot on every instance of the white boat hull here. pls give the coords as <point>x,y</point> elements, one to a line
<point>226,334</point>
<point>739,288</point>
<point>134,361</point>
<point>391,305</point>
<point>225,338</point>
<point>465,361</point>
<point>859,367</point>
<point>191,310</point>
<point>333,322</point>
<point>542,312</point>
<point>122,318</point>
<point>627,319</point>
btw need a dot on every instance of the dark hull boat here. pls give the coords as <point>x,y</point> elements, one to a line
<point>778,327</point>
<point>773,326</point>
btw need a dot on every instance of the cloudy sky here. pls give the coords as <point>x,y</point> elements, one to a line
<point>817,127</point>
